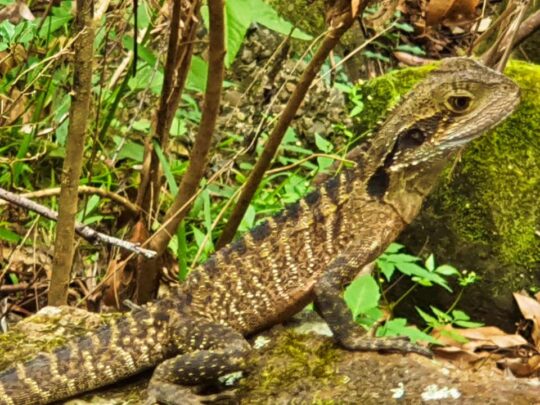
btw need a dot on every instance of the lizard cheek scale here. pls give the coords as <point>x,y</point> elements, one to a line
<point>307,253</point>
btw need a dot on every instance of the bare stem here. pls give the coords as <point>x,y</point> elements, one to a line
<point>71,170</point>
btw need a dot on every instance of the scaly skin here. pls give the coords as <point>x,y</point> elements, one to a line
<point>309,252</point>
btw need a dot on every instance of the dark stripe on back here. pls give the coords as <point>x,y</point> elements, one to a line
<point>260,232</point>
<point>332,189</point>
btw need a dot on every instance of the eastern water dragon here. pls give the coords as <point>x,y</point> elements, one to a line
<point>307,253</point>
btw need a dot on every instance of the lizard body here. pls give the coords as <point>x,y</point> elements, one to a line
<point>307,253</point>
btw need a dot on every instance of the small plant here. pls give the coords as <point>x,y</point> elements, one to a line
<point>364,295</point>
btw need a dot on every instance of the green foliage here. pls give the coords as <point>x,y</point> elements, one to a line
<point>364,294</point>
<point>240,14</point>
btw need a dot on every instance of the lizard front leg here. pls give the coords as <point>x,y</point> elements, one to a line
<point>210,351</point>
<point>330,305</point>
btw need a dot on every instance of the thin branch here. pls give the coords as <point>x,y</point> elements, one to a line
<point>50,192</point>
<point>199,153</point>
<point>527,28</point>
<point>342,24</point>
<point>82,230</point>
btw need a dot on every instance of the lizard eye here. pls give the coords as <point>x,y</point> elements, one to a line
<point>459,104</point>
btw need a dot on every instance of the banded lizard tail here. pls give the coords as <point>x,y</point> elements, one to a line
<point>307,253</point>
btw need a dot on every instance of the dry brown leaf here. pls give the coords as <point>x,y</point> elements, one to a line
<point>16,12</point>
<point>521,367</point>
<point>486,336</point>
<point>450,11</point>
<point>458,355</point>
<point>530,308</point>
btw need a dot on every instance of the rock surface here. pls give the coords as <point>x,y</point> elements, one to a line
<point>292,364</point>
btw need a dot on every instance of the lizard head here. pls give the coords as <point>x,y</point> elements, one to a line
<point>454,105</point>
<point>457,103</point>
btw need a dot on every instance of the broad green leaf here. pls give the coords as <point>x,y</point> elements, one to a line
<point>386,268</point>
<point>362,294</point>
<point>323,145</point>
<point>358,108</point>
<point>130,150</point>
<point>143,52</point>
<point>369,317</point>
<point>239,16</point>
<point>447,270</point>
<point>404,27</point>
<point>53,24</point>
<point>412,49</point>
<point>398,327</point>
<point>412,269</point>
<point>402,258</point>
<point>454,334</point>
<point>9,236</point>
<point>460,315</point>
<point>376,55</point>
<point>443,316</point>
<point>430,320</point>
<point>266,15</point>
<point>323,163</point>
<point>430,262</point>
<point>393,248</point>
<point>469,324</point>
<point>197,75</point>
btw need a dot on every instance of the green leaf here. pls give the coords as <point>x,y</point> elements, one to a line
<point>197,75</point>
<point>369,317</point>
<point>130,150</point>
<point>323,145</point>
<point>143,52</point>
<point>358,108</point>
<point>430,320</point>
<point>393,248</point>
<point>412,269</point>
<point>441,315</point>
<point>454,334</point>
<point>376,55</point>
<point>404,27</point>
<point>402,258</point>
<point>166,169</point>
<point>469,324</point>
<point>412,49</point>
<point>53,24</point>
<point>239,16</point>
<point>398,327</point>
<point>362,294</point>
<point>460,315</point>
<point>386,268</point>
<point>9,236</point>
<point>264,14</point>
<point>430,262</point>
<point>447,270</point>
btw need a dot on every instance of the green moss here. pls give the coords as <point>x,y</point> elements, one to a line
<point>291,360</point>
<point>491,197</point>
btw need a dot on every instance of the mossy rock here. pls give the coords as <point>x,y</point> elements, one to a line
<point>485,214</point>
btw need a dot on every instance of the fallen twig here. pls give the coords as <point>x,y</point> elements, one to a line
<point>49,192</point>
<point>91,235</point>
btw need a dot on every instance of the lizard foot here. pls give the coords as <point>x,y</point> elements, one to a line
<point>398,344</point>
<point>174,394</point>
